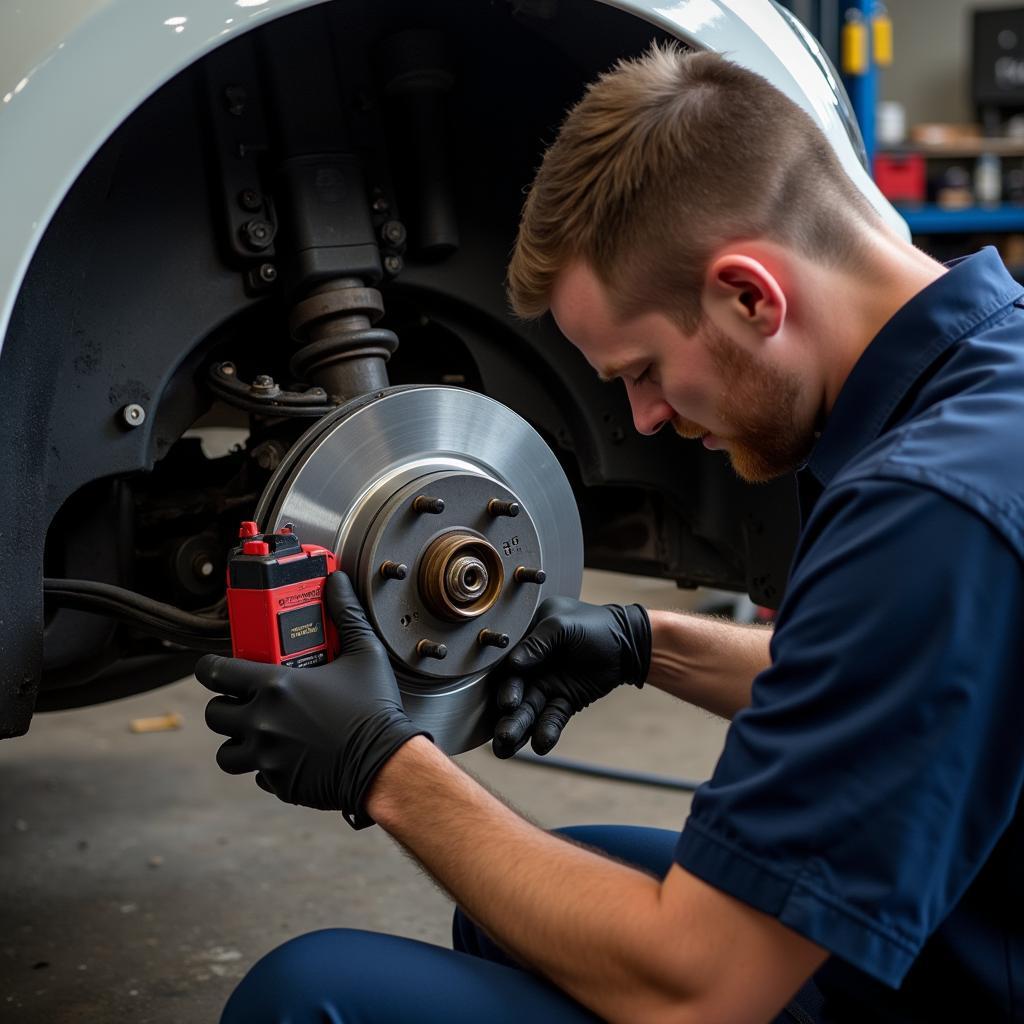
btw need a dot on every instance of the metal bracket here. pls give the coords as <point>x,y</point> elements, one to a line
<point>239,140</point>
<point>264,397</point>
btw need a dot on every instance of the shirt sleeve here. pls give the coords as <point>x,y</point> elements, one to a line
<point>880,758</point>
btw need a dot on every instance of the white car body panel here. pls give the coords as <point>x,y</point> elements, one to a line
<point>71,72</point>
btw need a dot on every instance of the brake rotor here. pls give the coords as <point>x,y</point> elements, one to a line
<point>453,519</point>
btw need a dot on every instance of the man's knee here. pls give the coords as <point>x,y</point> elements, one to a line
<point>290,984</point>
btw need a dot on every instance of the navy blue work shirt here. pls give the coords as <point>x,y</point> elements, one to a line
<point>870,796</point>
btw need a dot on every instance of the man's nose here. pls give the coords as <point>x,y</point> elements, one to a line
<point>650,414</point>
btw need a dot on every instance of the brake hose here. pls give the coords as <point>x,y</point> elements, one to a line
<point>198,632</point>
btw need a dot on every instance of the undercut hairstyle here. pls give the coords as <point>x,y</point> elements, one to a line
<point>666,158</point>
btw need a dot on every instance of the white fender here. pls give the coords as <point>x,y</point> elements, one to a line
<point>71,72</point>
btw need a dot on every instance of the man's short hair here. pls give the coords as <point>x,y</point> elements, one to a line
<point>666,158</point>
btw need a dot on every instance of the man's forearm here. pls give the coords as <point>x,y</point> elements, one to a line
<point>707,661</point>
<point>589,924</point>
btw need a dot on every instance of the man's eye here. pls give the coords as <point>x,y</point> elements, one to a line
<point>642,377</point>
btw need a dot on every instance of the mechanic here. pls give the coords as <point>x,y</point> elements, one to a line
<point>693,233</point>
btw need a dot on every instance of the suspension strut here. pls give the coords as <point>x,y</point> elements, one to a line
<point>341,350</point>
<point>334,261</point>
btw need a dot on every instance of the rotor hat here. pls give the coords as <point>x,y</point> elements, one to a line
<point>463,562</point>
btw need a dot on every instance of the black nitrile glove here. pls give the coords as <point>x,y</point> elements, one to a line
<point>315,736</point>
<point>573,654</point>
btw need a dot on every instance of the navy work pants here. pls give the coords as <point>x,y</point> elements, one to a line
<point>343,976</point>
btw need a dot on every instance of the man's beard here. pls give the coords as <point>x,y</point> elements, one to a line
<point>758,408</point>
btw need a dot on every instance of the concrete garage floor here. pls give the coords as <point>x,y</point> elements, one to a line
<point>138,882</point>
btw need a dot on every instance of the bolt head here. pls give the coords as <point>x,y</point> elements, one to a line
<point>249,199</point>
<point>257,233</point>
<point>393,232</point>
<point>393,264</point>
<point>267,273</point>
<point>268,456</point>
<point>133,415</point>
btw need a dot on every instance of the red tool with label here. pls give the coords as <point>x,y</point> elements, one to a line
<point>275,599</point>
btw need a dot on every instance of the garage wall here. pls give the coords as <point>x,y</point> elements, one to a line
<point>930,75</point>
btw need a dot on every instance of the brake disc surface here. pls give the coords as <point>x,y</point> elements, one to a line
<point>426,480</point>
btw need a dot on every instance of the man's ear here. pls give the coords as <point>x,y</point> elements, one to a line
<point>742,294</point>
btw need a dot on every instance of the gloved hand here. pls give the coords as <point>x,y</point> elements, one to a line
<point>314,736</point>
<point>574,654</point>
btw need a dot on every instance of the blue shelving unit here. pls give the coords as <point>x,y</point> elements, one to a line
<point>863,89</point>
<point>927,219</point>
<point>934,220</point>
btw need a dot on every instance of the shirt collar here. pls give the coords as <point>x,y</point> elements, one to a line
<point>974,289</point>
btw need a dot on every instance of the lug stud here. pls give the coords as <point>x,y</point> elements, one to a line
<point>394,570</point>
<point>422,503</point>
<point>491,638</point>
<point>429,649</point>
<point>525,575</point>
<point>496,507</point>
